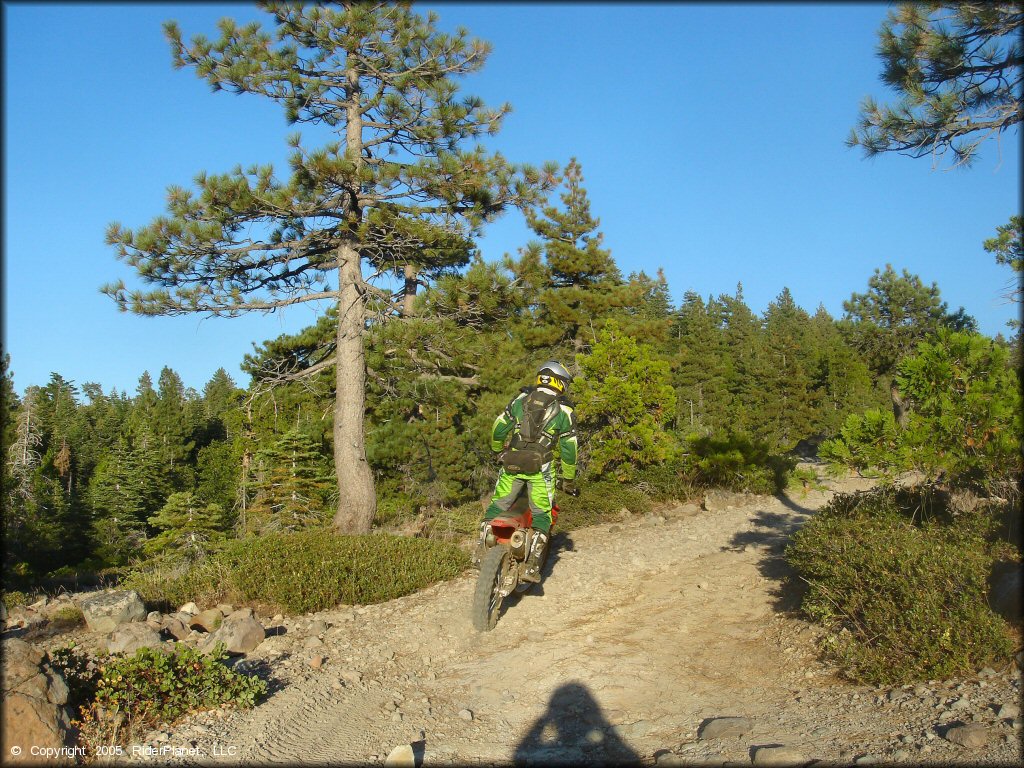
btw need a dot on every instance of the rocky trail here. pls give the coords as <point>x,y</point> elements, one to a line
<point>644,637</point>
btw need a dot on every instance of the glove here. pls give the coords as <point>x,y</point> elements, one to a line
<point>569,486</point>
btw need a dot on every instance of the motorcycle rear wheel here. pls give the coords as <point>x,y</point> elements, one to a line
<point>487,598</point>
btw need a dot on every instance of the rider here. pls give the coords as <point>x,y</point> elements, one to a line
<point>525,437</point>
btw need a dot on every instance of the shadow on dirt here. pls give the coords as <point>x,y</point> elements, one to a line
<point>561,541</point>
<point>573,731</point>
<point>771,534</point>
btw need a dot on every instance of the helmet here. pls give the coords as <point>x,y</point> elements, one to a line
<point>553,375</point>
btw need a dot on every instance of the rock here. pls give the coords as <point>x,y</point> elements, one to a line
<point>317,627</point>
<point>190,608</point>
<point>1009,712</point>
<point>313,642</point>
<point>226,609</point>
<point>725,728</point>
<point>777,755</point>
<point>106,611</point>
<point>240,633</point>
<point>718,499</point>
<point>316,662</point>
<point>351,676</point>
<point>209,620</point>
<point>671,760</point>
<point>961,703</point>
<point>401,757</point>
<point>34,715</point>
<point>466,714</point>
<point>129,638</point>
<point>865,760</point>
<point>972,735</point>
<point>176,628</point>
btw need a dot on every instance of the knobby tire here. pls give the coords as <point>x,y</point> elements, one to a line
<point>486,599</point>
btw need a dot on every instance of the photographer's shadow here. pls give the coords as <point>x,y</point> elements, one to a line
<point>573,731</point>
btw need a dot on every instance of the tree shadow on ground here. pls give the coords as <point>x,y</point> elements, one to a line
<point>771,534</point>
<point>573,731</point>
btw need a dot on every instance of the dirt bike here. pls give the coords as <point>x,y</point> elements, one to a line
<point>508,541</point>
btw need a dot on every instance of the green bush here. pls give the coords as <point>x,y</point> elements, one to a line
<point>670,481</point>
<point>307,570</point>
<point>126,696</point>
<point>599,502</point>
<point>738,463</point>
<point>14,598</point>
<point>900,585</point>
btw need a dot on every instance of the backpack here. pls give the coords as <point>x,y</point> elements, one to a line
<point>531,447</point>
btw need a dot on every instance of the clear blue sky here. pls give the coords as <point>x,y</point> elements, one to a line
<point>710,136</point>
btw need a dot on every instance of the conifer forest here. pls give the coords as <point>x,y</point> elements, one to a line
<point>381,412</point>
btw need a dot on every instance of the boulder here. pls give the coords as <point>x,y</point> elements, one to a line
<point>725,728</point>
<point>107,611</point>
<point>226,609</point>
<point>401,756</point>
<point>129,638</point>
<point>208,620</point>
<point>240,632</point>
<point>190,608</point>
<point>34,715</point>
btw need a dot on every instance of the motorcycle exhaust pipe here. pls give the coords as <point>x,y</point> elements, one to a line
<point>518,543</point>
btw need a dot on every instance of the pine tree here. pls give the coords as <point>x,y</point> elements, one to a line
<point>396,191</point>
<point>189,528</point>
<point>701,369</point>
<point>624,401</point>
<point>583,285</point>
<point>958,70</point>
<point>292,484</point>
<point>888,321</point>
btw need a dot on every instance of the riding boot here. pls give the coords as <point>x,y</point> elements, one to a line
<point>533,563</point>
<point>481,546</point>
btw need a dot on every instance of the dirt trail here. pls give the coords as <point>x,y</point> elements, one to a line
<point>642,631</point>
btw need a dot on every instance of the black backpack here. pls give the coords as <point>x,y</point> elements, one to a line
<point>531,447</point>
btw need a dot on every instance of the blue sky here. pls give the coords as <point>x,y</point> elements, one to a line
<point>710,137</point>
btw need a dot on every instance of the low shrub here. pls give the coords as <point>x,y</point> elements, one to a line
<point>454,523</point>
<point>307,570</point>
<point>69,615</point>
<point>14,598</point>
<point>125,697</point>
<point>737,463</point>
<point>670,481</point>
<point>900,585</point>
<point>600,502</point>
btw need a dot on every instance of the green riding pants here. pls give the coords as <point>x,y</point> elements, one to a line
<point>540,493</point>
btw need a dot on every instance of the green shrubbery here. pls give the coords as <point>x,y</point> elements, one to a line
<point>307,571</point>
<point>900,583</point>
<point>738,463</point>
<point>117,699</point>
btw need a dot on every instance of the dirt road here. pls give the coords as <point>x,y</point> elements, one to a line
<point>642,632</point>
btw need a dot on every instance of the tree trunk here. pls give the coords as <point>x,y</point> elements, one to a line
<point>410,290</point>
<point>899,408</point>
<point>357,501</point>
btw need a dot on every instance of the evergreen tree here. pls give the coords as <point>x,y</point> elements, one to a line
<point>624,401</point>
<point>787,406</point>
<point>742,337</point>
<point>293,486</point>
<point>957,68</point>
<point>891,318</point>
<point>1008,247</point>
<point>120,505</point>
<point>189,528</point>
<point>175,424</point>
<point>700,369</point>
<point>396,191</point>
<point>583,287</point>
